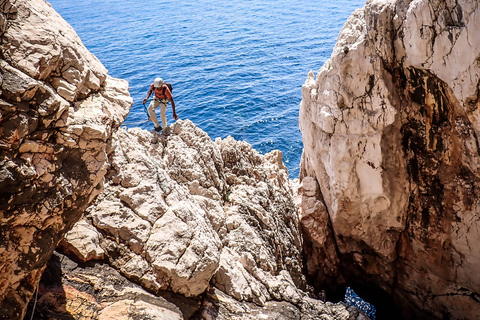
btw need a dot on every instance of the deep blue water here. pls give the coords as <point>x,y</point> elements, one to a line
<point>236,67</point>
<point>355,300</point>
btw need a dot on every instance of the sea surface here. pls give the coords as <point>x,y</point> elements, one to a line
<point>237,67</point>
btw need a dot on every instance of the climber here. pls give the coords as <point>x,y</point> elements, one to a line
<point>161,97</point>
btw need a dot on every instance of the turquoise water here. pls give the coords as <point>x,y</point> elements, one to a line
<point>236,67</point>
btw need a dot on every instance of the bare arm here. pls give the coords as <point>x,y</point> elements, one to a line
<point>148,94</point>
<point>170,97</point>
<point>173,108</point>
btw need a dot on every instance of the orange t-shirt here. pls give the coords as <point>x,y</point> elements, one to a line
<point>161,92</point>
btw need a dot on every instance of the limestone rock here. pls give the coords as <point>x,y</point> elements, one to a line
<point>323,263</point>
<point>42,45</point>
<point>58,109</point>
<point>188,214</point>
<point>390,127</point>
<point>94,290</point>
<point>84,242</point>
<point>180,211</point>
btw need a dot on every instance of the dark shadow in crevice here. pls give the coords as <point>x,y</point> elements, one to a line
<point>51,298</point>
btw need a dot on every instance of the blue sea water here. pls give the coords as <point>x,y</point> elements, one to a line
<point>353,299</point>
<point>236,67</point>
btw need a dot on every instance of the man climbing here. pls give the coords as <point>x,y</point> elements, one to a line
<point>161,97</point>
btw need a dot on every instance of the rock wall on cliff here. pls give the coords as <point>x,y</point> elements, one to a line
<point>58,109</point>
<point>177,211</point>
<point>390,130</point>
<point>213,221</point>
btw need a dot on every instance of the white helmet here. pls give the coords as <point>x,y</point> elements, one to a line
<point>158,82</point>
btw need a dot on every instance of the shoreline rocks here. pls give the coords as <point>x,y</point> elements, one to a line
<point>174,218</point>
<point>388,197</point>
<point>94,290</point>
<point>178,210</point>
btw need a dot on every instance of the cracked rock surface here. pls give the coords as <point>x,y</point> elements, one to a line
<point>76,290</point>
<point>210,220</point>
<point>181,226</point>
<point>58,109</point>
<point>95,290</point>
<point>390,128</point>
<point>178,210</point>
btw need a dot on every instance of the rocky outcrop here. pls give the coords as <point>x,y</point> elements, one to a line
<point>75,290</point>
<point>218,305</point>
<point>210,220</point>
<point>181,226</point>
<point>178,211</point>
<point>390,130</point>
<point>58,109</point>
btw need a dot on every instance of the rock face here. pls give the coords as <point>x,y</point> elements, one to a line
<point>174,209</point>
<point>58,109</point>
<point>181,226</point>
<point>70,290</point>
<point>213,221</point>
<point>390,130</point>
<point>178,211</point>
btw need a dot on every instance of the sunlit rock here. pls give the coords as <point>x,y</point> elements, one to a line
<point>390,131</point>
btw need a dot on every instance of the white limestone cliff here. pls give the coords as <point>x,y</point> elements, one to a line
<point>390,127</point>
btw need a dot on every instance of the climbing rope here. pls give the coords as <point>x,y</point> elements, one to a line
<point>145,108</point>
<point>138,122</point>
<point>35,303</point>
<point>133,123</point>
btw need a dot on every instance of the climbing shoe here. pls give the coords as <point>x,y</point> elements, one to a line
<point>158,129</point>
